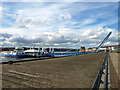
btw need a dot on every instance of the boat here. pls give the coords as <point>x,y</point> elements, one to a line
<point>18,52</point>
<point>21,53</point>
<point>33,52</point>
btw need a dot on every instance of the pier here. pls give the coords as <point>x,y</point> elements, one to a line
<point>78,71</point>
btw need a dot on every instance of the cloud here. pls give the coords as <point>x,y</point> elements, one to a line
<point>5,35</point>
<point>63,39</point>
<point>25,41</point>
<point>60,1</point>
<point>58,24</point>
<point>1,12</point>
<point>42,17</point>
<point>97,35</point>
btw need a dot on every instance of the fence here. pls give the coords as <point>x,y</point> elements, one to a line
<point>98,79</point>
<point>66,53</point>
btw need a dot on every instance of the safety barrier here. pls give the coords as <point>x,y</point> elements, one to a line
<point>98,79</point>
<point>66,54</point>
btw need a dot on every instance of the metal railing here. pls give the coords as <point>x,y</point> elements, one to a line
<point>98,79</point>
<point>106,74</point>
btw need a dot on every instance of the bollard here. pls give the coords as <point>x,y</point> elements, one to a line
<point>10,62</point>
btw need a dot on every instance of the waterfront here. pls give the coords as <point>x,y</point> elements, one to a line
<point>45,56</point>
<point>7,59</point>
<point>66,72</point>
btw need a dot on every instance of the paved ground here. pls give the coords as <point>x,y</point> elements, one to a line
<point>114,70</point>
<point>65,72</point>
<point>114,58</point>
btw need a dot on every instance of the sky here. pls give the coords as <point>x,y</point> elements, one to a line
<point>58,24</point>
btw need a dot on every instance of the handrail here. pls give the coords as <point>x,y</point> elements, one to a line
<point>98,80</point>
<point>106,75</point>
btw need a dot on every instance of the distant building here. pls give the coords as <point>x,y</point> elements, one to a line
<point>7,48</point>
<point>112,47</point>
<point>104,48</point>
<point>82,49</point>
<point>91,49</point>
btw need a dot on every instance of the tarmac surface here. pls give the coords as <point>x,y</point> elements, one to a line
<point>65,72</point>
<point>114,59</point>
<point>114,70</point>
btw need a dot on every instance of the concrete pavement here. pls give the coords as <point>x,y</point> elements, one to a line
<point>114,70</point>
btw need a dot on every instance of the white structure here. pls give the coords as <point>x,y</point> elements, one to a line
<point>32,52</point>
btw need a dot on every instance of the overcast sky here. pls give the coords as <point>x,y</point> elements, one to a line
<point>58,24</point>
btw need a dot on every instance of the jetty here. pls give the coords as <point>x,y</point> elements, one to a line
<point>78,71</point>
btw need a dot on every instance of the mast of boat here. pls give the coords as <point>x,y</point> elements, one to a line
<point>38,51</point>
<point>52,50</point>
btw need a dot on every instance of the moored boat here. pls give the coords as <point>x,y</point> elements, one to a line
<point>21,53</point>
<point>18,52</point>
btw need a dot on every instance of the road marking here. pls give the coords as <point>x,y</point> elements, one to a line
<point>25,74</point>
